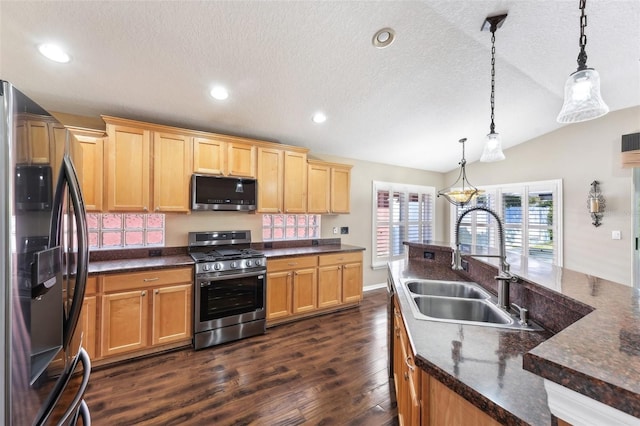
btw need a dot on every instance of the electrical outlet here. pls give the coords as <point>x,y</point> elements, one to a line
<point>335,229</point>
<point>616,235</point>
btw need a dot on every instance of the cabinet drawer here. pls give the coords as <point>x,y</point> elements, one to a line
<point>92,285</point>
<point>291,263</point>
<point>135,280</point>
<point>338,258</point>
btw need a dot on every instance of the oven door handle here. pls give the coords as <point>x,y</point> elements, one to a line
<point>232,276</point>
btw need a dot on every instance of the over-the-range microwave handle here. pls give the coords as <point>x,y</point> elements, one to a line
<point>69,178</point>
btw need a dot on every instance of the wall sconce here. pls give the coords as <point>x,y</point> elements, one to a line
<point>596,204</point>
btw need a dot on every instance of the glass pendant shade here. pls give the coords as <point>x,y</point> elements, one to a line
<point>582,100</point>
<point>492,148</point>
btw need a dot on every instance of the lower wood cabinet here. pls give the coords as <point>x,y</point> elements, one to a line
<point>421,398</point>
<point>303,285</point>
<point>292,286</point>
<point>141,310</point>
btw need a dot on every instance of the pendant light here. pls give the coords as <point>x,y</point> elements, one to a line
<point>493,144</point>
<point>461,192</point>
<point>582,100</point>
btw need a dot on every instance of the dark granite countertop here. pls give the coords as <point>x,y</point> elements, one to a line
<point>138,264</point>
<point>484,364</point>
<point>596,354</point>
<point>118,260</point>
<point>309,250</point>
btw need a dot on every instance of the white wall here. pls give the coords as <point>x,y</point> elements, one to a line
<point>579,154</point>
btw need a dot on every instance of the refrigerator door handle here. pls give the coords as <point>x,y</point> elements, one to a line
<point>61,385</point>
<point>84,414</point>
<point>77,405</point>
<point>69,178</point>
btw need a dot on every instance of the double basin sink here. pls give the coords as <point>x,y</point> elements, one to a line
<point>459,302</point>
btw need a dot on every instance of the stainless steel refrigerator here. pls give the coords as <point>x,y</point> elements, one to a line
<point>44,256</point>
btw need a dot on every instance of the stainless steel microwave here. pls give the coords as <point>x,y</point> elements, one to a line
<point>223,193</point>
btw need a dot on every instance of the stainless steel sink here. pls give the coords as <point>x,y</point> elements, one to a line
<point>459,302</point>
<point>447,289</point>
<point>461,309</point>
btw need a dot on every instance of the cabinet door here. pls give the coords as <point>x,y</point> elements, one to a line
<point>88,323</point>
<point>352,282</point>
<point>171,318</point>
<point>295,182</point>
<point>39,145</point>
<point>305,290</point>
<point>128,153</point>
<point>124,322</point>
<point>89,161</point>
<point>340,190</point>
<point>318,196</point>
<point>241,160</point>
<point>270,180</point>
<point>22,140</point>
<point>278,294</point>
<point>329,286</point>
<point>58,138</point>
<point>171,172</point>
<point>209,156</point>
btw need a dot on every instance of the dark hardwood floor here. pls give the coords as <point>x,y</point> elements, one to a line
<point>327,370</point>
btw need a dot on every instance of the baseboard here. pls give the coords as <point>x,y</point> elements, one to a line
<point>374,286</point>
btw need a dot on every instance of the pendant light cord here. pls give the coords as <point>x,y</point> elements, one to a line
<point>582,56</point>
<point>492,127</point>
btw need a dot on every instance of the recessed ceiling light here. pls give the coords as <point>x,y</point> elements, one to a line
<point>319,117</point>
<point>383,38</point>
<point>53,52</point>
<point>219,93</point>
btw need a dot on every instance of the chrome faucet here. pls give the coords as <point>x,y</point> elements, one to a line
<point>504,277</point>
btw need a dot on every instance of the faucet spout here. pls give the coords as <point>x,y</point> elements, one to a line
<point>504,275</point>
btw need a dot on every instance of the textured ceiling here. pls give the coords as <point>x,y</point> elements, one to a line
<point>406,105</point>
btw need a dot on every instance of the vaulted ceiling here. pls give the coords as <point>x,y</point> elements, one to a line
<point>406,104</point>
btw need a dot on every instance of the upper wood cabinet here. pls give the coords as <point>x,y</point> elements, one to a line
<point>295,182</point>
<point>172,154</point>
<point>270,180</point>
<point>88,157</point>
<point>225,156</point>
<point>282,176</point>
<point>127,163</point>
<point>37,138</point>
<point>329,187</point>
<point>136,149</point>
<point>209,155</point>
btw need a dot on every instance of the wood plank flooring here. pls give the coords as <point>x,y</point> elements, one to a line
<point>327,370</point>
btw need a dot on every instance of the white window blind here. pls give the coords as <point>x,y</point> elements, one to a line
<point>401,213</point>
<point>532,216</point>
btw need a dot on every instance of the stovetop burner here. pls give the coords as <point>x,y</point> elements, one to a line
<point>224,252</point>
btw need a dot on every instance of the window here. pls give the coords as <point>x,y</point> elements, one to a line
<point>128,230</point>
<point>532,216</point>
<point>401,213</point>
<point>290,226</point>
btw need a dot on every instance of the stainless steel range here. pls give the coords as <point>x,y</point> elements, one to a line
<point>229,291</point>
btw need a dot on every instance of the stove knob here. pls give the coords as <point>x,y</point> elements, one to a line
<point>217,266</point>
<point>248,264</point>
<point>205,267</point>
<point>258,262</point>
<point>233,265</point>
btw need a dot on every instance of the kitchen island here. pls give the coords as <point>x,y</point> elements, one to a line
<point>595,350</point>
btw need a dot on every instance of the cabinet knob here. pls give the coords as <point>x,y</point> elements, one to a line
<point>406,361</point>
<point>157,291</point>
<point>144,293</point>
<point>406,375</point>
<point>157,209</point>
<point>145,209</point>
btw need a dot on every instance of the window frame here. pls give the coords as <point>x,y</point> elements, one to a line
<point>524,188</point>
<point>378,262</point>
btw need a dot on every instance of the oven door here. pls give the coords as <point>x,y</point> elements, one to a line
<point>224,300</point>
